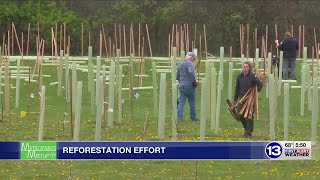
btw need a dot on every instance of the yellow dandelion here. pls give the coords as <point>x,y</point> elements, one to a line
<point>23,114</point>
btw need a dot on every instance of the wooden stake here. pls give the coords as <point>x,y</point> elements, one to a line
<point>150,48</point>
<point>12,37</point>
<point>15,32</point>
<point>265,50</point>
<point>299,50</point>
<point>248,36</point>
<point>9,43</point>
<point>115,35</point>
<point>315,42</point>
<point>133,48</point>
<point>28,39</point>
<point>303,45</point>
<point>81,40</point>
<point>22,48</point>
<point>240,31</point>
<point>89,38</point>
<point>100,44</point>
<point>110,53</point>
<point>120,37</point>
<point>124,41</point>
<point>64,37</point>
<point>104,40</point>
<point>139,40</point>
<point>205,40</point>
<point>60,39</point>
<point>195,35</point>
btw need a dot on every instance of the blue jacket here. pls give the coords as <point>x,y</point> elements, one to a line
<point>186,73</point>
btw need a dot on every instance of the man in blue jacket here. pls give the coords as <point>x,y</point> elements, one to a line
<point>289,46</point>
<point>187,85</point>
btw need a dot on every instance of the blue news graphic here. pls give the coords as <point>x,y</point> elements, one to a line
<point>161,150</point>
<point>273,150</point>
<point>9,150</point>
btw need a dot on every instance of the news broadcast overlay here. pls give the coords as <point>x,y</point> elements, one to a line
<point>155,150</point>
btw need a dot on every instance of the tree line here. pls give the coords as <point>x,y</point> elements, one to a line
<point>221,18</point>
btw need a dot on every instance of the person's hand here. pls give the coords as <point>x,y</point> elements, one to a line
<point>195,83</point>
<point>276,41</point>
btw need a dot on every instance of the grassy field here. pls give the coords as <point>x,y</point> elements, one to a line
<point>57,128</point>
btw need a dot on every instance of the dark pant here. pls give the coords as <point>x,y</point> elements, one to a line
<point>247,125</point>
<point>289,63</point>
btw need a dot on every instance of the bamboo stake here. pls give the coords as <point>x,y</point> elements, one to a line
<point>60,39</point>
<point>110,47</point>
<point>8,43</point>
<point>69,45</point>
<point>169,46</point>
<point>177,40</point>
<point>187,37</point>
<point>172,35</point>
<point>3,40</point>
<point>315,43</point>
<point>104,40</point>
<point>124,41</point>
<point>115,35</point>
<point>89,38</point>
<point>303,45</point>
<point>266,43</point>
<point>12,39</point>
<point>15,32</point>
<point>230,54</point>
<point>139,40</point>
<point>55,37</point>
<point>28,39</point>
<point>81,39</point>
<point>195,35</point>
<point>240,35</point>
<point>64,37</point>
<point>22,48</point>
<point>291,30</point>
<point>132,41</point>
<point>120,38</point>
<point>299,50</point>
<point>205,41</point>
<point>100,44</point>
<point>150,48</point>
<point>248,36</point>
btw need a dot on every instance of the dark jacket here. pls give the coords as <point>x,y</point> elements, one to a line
<point>244,83</point>
<point>289,46</point>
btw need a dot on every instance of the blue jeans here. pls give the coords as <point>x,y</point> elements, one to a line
<point>289,63</point>
<point>187,91</point>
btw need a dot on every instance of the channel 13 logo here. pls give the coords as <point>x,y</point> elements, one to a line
<point>273,150</point>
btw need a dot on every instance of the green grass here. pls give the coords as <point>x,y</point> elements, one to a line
<point>57,128</point>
